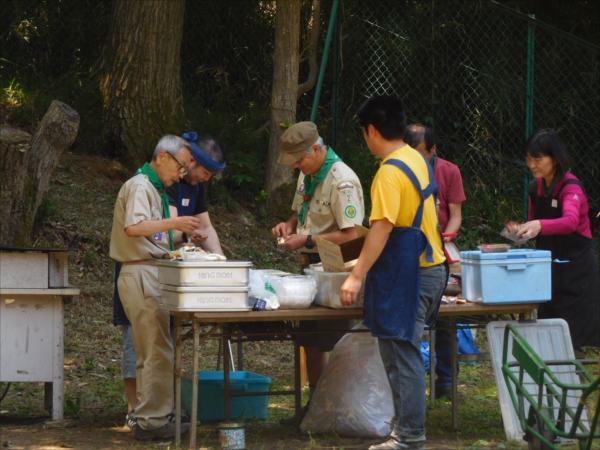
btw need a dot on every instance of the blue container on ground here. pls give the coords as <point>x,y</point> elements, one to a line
<point>211,395</point>
<point>516,276</point>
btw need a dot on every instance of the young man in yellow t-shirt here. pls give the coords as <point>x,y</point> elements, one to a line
<point>403,259</point>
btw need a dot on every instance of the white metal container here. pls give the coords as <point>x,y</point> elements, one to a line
<point>213,298</point>
<point>204,273</point>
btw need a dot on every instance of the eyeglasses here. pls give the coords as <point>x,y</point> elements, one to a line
<point>182,169</point>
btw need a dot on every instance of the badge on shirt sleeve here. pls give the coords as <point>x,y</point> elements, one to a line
<point>350,211</point>
<point>185,202</point>
<point>345,186</point>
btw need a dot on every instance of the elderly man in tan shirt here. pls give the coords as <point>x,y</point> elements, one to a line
<point>141,234</point>
<point>328,203</point>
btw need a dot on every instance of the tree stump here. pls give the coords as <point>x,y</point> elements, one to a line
<point>26,166</point>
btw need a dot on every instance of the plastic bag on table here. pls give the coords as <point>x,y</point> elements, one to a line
<point>258,290</point>
<point>353,396</point>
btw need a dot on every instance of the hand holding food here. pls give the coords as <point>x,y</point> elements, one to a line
<point>282,229</point>
<point>529,230</point>
<point>186,224</point>
<point>198,237</point>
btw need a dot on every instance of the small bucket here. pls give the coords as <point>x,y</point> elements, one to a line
<point>232,435</point>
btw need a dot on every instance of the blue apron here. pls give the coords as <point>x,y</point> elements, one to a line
<point>392,285</point>
<point>189,192</point>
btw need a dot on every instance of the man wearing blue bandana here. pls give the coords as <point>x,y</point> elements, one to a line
<point>188,197</point>
<point>328,203</point>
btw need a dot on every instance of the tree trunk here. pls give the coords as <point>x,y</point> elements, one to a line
<point>27,166</point>
<point>140,76</point>
<point>279,182</point>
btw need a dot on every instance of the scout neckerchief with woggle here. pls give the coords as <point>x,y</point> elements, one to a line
<point>392,287</point>
<point>310,184</point>
<point>149,171</point>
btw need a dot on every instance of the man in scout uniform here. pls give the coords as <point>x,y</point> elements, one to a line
<point>403,259</point>
<point>141,234</point>
<point>186,198</point>
<point>328,203</point>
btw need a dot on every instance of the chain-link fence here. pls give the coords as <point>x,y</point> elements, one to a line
<point>484,77</point>
<point>481,75</point>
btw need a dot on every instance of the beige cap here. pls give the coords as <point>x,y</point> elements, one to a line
<point>296,140</point>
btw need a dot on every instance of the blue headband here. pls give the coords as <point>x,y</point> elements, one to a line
<point>203,159</point>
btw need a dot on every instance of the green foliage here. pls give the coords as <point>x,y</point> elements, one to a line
<point>89,363</point>
<point>73,405</point>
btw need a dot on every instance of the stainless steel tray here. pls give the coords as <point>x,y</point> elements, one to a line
<point>192,298</point>
<point>204,273</point>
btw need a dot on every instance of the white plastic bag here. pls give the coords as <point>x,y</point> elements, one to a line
<point>353,396</point>
<point>258,290</point>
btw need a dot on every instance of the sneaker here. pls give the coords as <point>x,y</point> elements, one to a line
<point>443,391</point>
<point>167,431</point>
<point>131,420</point>
<point>394,444</point>
<point>184,417</point>
<point>295,421</point>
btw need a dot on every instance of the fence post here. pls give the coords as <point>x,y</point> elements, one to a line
<point>336,84</point>
<point>529,102</point>
<point>332,21</point>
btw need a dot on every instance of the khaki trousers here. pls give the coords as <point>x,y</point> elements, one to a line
<point>138,288</point>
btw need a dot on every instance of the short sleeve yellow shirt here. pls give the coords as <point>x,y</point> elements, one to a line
<point>395,198</point>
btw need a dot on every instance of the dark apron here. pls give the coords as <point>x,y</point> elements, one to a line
<point>575,277</point>
<point>392,285</point>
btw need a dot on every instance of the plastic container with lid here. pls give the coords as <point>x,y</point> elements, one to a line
<point>294,292</point>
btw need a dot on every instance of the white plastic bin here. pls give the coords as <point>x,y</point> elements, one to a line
<point>329,285</point>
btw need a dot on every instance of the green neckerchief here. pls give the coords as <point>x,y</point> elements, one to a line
<point>433,160</point>
<point>149,171</point>
<point>310,184</point>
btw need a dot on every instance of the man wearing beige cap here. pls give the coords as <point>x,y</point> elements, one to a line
<point>328,203</point>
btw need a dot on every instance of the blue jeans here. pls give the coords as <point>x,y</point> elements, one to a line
<point>403,361</point>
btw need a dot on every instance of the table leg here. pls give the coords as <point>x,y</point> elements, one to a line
<point>177,381</point>
<point>297,380</point>
<point>226,377</point>
<point>454,360</point>
<point>194,418</point>
<point>58,371</point>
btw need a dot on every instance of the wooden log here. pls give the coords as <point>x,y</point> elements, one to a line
<point>25,170</point>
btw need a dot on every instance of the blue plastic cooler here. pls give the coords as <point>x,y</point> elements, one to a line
<point>516,276</point>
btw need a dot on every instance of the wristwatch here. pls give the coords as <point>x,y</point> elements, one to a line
<point>309,242</point>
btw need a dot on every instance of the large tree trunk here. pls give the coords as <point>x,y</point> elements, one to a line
<point>26,167</point>
<point>279,180</point>
<point>140,76</point>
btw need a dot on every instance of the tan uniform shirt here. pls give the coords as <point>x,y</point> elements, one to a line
<point>336,204</point>
<point>138,200</point>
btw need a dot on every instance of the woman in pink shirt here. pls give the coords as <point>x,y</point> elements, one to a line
<point>559,220</point>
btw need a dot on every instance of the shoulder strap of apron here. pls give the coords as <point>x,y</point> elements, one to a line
<point>430,189</point>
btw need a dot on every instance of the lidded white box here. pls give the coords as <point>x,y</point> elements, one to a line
<point>515,276</point>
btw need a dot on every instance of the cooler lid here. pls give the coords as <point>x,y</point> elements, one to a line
<point>519,253</point>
